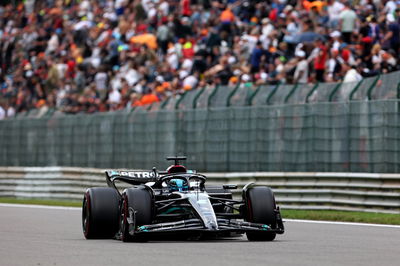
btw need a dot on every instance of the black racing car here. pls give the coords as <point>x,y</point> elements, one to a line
<point>177,202</point>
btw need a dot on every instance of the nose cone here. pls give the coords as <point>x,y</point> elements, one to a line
<point>202,205</point>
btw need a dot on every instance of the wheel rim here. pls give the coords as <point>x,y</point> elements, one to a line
<point>86,215</point>
<point>124,233</point>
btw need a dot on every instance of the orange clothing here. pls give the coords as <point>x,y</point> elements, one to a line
<point>147,38</point>
<point>149,99</point>
<point>227,16</point>
<point>136,103</point>
<point>318,4</point>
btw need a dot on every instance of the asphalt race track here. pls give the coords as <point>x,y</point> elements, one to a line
<point>53,236</point>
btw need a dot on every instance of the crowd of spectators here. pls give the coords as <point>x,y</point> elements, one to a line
<point>85,56</point>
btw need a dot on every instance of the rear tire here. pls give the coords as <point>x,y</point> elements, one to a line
<point>138,200</point>
<point>100,213</point>
<point>260,208</point>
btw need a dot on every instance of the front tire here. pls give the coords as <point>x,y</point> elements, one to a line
<point>137,207</point>
<point>100,212</point>
<point>260,208</point>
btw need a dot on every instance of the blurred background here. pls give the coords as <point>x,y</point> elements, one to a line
<point>282,85</point>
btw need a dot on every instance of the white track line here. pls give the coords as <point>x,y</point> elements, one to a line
<point>341,223</point>
<point>32,206</point>
<point>285,220</point>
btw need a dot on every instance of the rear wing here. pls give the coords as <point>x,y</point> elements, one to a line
<point>133,177</point>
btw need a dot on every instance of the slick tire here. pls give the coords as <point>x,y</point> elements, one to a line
<point>260,208</point>
<point>100,213</point>
<point>136,204</point>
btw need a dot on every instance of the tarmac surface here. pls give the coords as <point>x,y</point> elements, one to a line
<point>53,236</point>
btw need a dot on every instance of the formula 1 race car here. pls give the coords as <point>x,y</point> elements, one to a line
<point>177,202</point>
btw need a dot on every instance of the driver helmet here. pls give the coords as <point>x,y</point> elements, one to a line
<point>177,185</point>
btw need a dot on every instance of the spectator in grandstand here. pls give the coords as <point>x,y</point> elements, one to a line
<point>392,36</point>
<point>350,73</point>
<point>3,113</point>
<point>301,72</point>
<point>320,56</point>
<point>347,22</point>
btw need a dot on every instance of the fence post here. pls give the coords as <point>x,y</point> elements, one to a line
<point>272,93</point>
<point>311,91</point>
<point>165,102</point>
<point>228,101</point>
<point>334,91</point>
<point>291,93</point>
<point>372,87</point>
<point>212,95</point>
<point>398,91</point>
<point>180,100</point>
<point>197,97</point>
<point>250,100</point>
<point>355,90</point>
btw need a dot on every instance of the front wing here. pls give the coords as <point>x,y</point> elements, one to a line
<point>195,225</point>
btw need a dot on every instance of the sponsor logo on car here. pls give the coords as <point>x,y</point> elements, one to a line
<point>133,174</point>
<point>137,174</point>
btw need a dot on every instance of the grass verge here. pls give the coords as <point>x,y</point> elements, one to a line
<point>342,216</point>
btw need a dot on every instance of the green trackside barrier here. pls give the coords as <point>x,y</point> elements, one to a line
<point>154,106</point>
<point>22,114</point>
<point>212,95</point>
<point>272,94</point>
<point>194,104</point>
<point>386,88</point>
<point>165,102</point>
<point>33,113</point>
<point>172,102</point>
<point>311,92</point>
<point>369,93</point>
<point>186,100</point>
<point>151,106</point>
<point>358,136</point>
<point>220,97</point>
<point>241,96</point>
<point>299,94</point>
<point>332,94</point>
<point>133,109</point>
<point>261,94</point>
<point>203,100</point>
<point>398,91</point>
<point>228,100</point>
<point>250,99</point>
<point>291,93</point>
<point>279,96</point>
<point>50,112</point>
<point>355,89</point>
<point>178,102</point>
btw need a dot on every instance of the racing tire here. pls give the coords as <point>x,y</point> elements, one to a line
<point>260,208</point>
<point>136,202</point>
<point>100,213</point>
